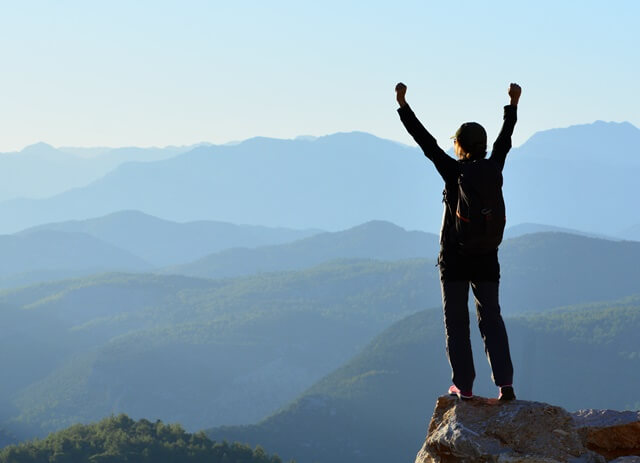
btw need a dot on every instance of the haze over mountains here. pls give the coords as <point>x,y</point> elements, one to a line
<point>231,351</point>
<point>134,242</point>
<point>126,241</point>
<point>373,240</point>
<point>40,170</point>
<point>196,318</point>
<point>51,255</point>
<point>342,180</point>
<point>607,143</point>
<point>162,242</point>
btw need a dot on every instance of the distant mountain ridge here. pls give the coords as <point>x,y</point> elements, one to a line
<point>53,255</point>
<point>600,142</point>
<point>338,181</point>
<point>250,250</point>
<point>126,241</point>
<point>538,269</point>
<point>529,228</point>
<point>373,240</point>
<point>162,242</point>
<point>40,170</point>
<point>631,233</point>
<point>259,181</point>
<point>551,269</point>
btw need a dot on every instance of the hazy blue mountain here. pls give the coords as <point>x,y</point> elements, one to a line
<point>609,143</point>
<point>631,233</point>
<point>162,242</point>
<point>576,178</point>
<point>341,180</point>
<point>569,194</point>
<point>40,170</point>
<point>545,270</point>
<point>49,255</point>
<point>376,408</point>
<point>515,231</point>
<point>373,240</point>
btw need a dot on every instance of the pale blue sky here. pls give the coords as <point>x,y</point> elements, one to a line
<point>116,73</point>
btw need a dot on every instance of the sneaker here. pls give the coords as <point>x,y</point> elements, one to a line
<point>507,393</point>
<point>464,395</point>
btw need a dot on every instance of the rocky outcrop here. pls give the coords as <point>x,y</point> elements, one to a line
<point>610,433</point>
<point>486,431</point>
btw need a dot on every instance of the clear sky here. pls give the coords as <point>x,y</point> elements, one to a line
<point>139,72</point>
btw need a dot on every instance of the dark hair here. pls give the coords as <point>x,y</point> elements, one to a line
<point>472,138</point>
<point>476,151</point>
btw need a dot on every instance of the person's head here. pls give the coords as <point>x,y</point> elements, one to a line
<point>470,141</point>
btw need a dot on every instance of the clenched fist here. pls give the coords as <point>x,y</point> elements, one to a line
<point>514,93</point>
<point>401,91</point>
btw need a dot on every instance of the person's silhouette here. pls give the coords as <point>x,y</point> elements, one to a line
<point>462,260</point>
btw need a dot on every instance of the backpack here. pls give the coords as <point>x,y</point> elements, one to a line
<point>480,212</point>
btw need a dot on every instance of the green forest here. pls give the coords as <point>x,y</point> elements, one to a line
<point>120,439</point>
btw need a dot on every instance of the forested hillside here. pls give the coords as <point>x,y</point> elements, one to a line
<point>191,350</point>
<point>232,351</point>
<point>119,439</point>
<point>376,407</point>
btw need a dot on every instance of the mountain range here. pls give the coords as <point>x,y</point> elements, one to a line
<point>126,241</point>
<point>51,254</point>
<point>163,242</point>
<point>338,181</point>
<point>542,271</point>
<point>210,323</point>
<point>41,171</point>
<point>230,351</point>
<point>373,240</point>
<point>539,270</point>
<point>130,241</point>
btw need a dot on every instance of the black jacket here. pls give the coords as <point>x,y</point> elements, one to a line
<point>449,168</point>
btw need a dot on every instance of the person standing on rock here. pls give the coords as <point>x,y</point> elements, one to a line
<point>472,228</point>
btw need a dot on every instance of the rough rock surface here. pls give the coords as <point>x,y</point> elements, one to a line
<point>610,433</point>
<point>486,430</point>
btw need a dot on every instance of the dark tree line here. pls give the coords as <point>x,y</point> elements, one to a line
<point>120,439</point>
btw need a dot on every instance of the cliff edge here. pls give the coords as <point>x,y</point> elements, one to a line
<point>486,431</point>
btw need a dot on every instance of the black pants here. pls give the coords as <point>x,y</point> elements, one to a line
<point>483,273</point>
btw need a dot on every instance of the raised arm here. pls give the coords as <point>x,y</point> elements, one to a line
<point>446,166</point>
<point>502,145</point>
